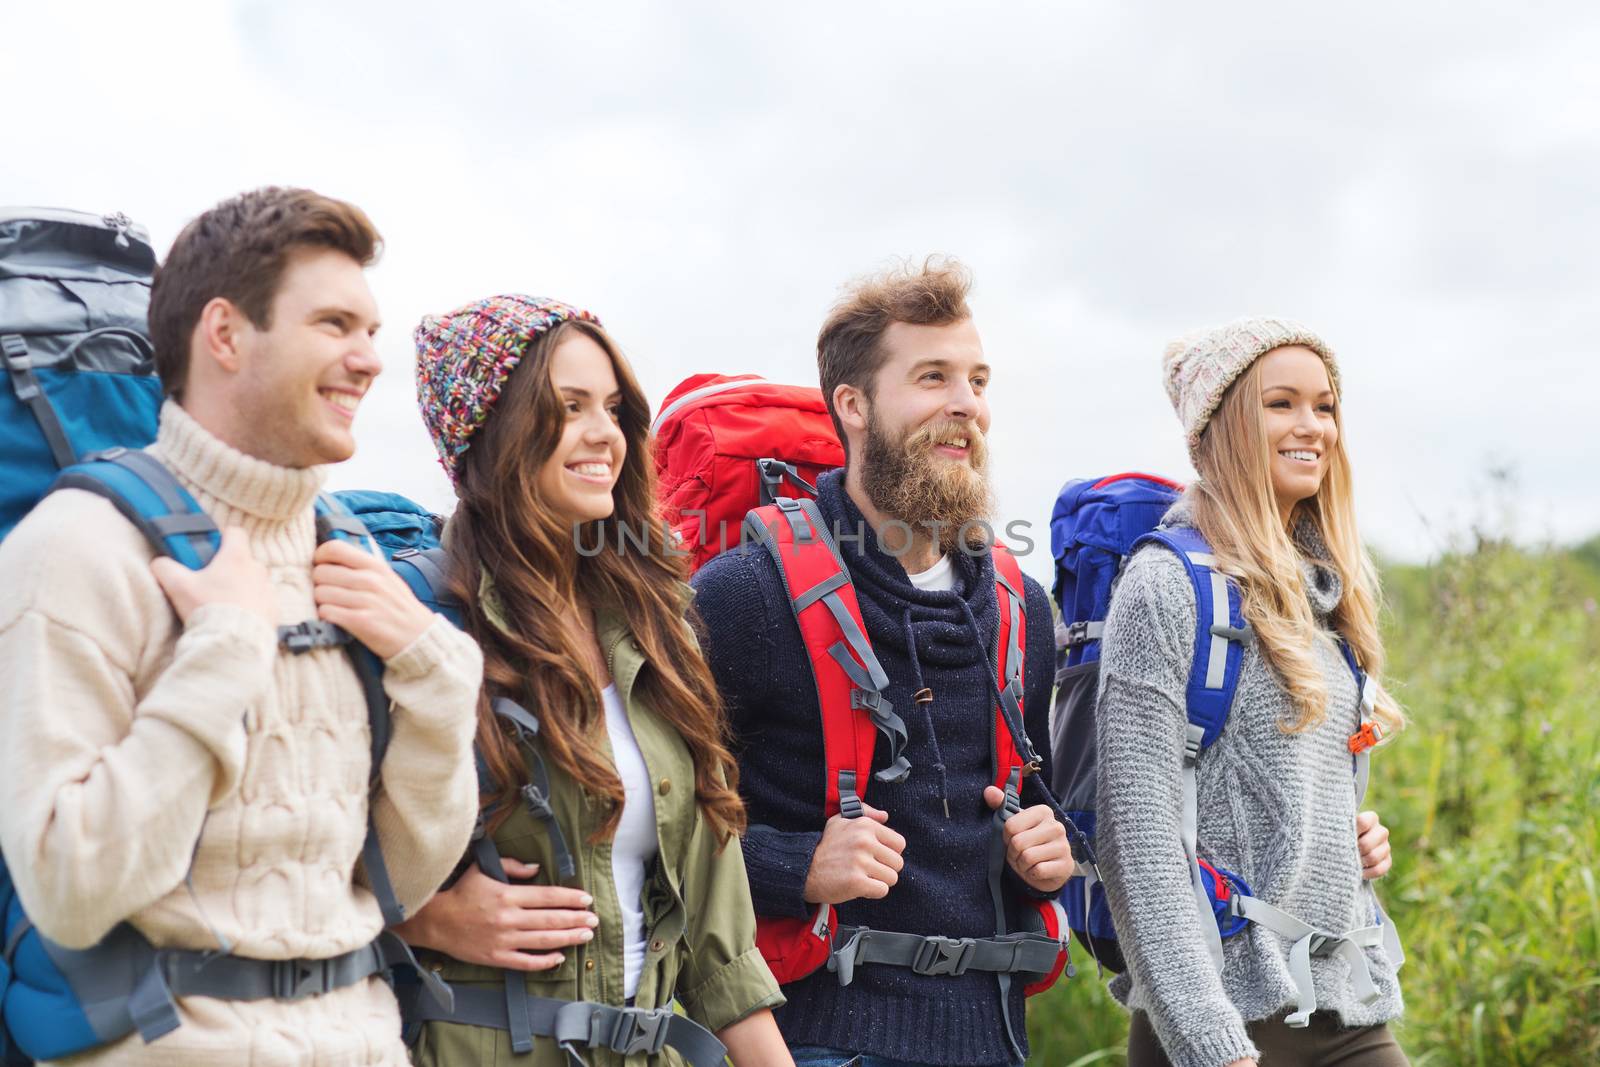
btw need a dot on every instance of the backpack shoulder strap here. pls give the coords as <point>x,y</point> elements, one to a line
<point>423,569</point>
<point>1014,752</point>
<point>1220,634</point>
<point>847,672</point>
<point>335,522</point>
<point>148,495</point>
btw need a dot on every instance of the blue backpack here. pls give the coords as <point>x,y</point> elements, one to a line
<point>409,535</point>
<point>1097,524</point>
<point>80,372</point>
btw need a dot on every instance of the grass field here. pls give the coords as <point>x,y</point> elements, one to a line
<point>1493,798</point>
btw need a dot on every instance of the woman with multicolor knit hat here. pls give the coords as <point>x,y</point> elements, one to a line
<point>1300,967</point>
<point>607,879</point>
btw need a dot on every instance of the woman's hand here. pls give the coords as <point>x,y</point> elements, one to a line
<point>517,927</point>
<point>1243,1063</point>
<point>1372,838</point>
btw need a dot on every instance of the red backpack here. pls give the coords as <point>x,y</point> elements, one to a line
<point>712,431</point>
<point>719,472</point>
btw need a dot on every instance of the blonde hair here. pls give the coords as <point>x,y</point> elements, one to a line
<point>1234,508</point>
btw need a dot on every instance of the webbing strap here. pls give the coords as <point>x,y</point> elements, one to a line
<point>1217,660</point>
<point>869,697</point>
<point>930,954</point>
<point>849,799</point>
<point>1209,932</point>
<point>579,1024</point>
<point>427,562</point>
<point>14,350</point>
<point>521,719</point>
<point>1009,806</point>
<point>15,938</point>
<point>1310,942</point>
<point>536,791</point>
<point>1391,934</point>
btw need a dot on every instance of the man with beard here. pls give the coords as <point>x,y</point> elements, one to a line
<point>905,379</point>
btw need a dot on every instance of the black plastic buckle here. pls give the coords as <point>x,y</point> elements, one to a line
<point>311,634</point>
<point>944,955</point>
<point>1076,634</point>
<point>298,979</point>
<point>636,1031</point>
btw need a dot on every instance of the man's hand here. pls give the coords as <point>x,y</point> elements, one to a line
<point>233,576</point>
<point>517,927</point>
<point>361,593</point>
<point>1372,838</point>
<point>1036,844</point>
<point>855,858</point>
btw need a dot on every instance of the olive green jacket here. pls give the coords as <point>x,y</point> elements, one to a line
<point>700,926</point>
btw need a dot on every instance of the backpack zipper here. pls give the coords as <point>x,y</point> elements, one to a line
<point>121,224</point>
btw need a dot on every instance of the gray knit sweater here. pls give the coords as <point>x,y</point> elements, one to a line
<point>1277,808</point>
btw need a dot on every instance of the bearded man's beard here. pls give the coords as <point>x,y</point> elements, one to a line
<point>906,481</point>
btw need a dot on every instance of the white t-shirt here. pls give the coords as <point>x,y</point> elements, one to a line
<point>634,848</point>
<point>939,578</point>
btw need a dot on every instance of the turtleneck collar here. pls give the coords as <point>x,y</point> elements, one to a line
<point>243,483</point>
<point>895,611</point>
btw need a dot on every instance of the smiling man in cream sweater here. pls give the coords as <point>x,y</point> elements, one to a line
<point>152,730</point>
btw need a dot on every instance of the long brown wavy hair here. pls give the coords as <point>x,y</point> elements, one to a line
<point>505,528</point>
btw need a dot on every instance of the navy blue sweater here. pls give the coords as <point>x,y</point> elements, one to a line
<point>923,639</point>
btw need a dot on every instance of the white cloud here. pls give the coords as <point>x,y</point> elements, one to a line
<point>1417,184</point>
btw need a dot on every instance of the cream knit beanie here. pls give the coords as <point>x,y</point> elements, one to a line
<point>1198,367</point>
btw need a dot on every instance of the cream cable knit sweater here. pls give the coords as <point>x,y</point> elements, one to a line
<point>125,737</point>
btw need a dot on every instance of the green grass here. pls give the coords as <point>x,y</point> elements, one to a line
<point>1493,799</point>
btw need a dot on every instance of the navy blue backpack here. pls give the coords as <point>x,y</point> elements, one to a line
<point>1097,524</point>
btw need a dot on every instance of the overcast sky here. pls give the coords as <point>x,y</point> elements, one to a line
<point>1419,182</point>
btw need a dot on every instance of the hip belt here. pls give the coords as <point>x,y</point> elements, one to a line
<point>929,954</point>
<point>575,1024</point>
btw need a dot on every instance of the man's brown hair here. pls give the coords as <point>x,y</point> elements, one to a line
<point>849,348</point>
<point>238,251</point>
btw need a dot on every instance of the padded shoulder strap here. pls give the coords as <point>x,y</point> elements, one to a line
<point>335,522</point>
<point>848,675</point>
<point>1013,750</point>
<point>1220,633</point>
<point>149,496</point>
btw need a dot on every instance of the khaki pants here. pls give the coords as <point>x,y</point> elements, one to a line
<point>1322,1044</point>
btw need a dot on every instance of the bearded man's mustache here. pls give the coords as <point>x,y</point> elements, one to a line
<point>903,479</point>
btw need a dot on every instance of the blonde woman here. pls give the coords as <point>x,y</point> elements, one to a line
<point>1308,973</point>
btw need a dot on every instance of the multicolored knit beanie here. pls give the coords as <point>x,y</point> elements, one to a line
<point>1199,367</point>
<point>464,358</point>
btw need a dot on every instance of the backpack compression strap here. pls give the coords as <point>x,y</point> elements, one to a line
<point>19,367</point>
